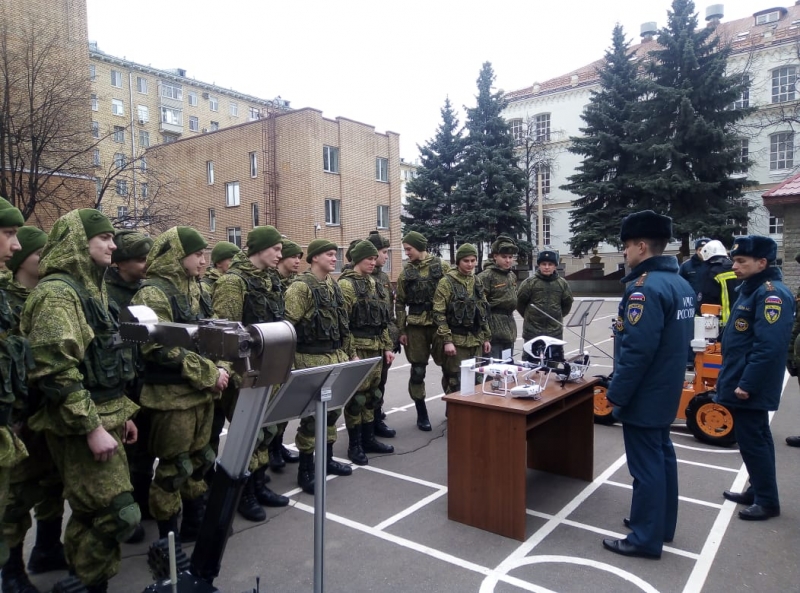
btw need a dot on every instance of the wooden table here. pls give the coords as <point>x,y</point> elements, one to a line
<point>491,440</point>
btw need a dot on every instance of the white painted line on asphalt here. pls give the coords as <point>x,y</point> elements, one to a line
<point>402,366</point>
<point>412,479</point>
<point>412,509</point>
<point>709,466</point>
<point>705,503</point>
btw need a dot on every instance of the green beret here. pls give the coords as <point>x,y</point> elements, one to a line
<point>31,239</point>
<point>290,248</point>
<point>94,222</point>
<point>10,216</point>
<point>130,245</point>
<point>191,240</point>
<point>261,238</point>
<point>755,246</point>
<point>223,250</point>
<point>318,246</point>
<point>378,240</point>
<point>362,251</point>
<point>464,251</point>
<point>416,240</point>
<point>347,254</point>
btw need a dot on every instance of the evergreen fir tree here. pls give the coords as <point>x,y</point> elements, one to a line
<point>430,193</point>
<point>488,199</point>
<point>689,154</point>
<point>602,179</point>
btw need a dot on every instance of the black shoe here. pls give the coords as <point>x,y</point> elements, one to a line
<point>288,455</point>
<point>264,495</point>
<point>381,430</point>
<point>48,553</point>
<point>793,441</point>
<point>423,422</point>
<point>624,548</point>
<point>193,511</point>
<point>355,452</point>
<point>747,498</point>
<point>15,579</point>
<point>305,473</point>
<point>335,468</point>
<point>248,505</point>
<point>627,523</point>
<point>276,461</point>
<point>756,512</point>
<point>137,536</point>
<point>370,444</point>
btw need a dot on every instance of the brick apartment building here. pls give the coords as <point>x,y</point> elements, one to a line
<point>310,176</point>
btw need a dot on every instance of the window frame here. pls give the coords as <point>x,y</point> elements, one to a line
<point>144,139</point>
<point>783,92</point>
<point>194,123</point>
<point>141,85</point>
<point>542,127</point>
<point>117,107</point>
<point>95,103</point>
<point>382,169</point>
<point>330,159</point>
<point>212,220</point>
<point>120,160</point>
<point>116,77</point>
<point>254,214</point>
<point>333,212</point>
<point>122,212</point>
<point>236,237</point>
<point>776,225</point>
<point>233,196</point>
<point>118,134</point>
<point>517,129</point>
<point>177,114</point>
<point>233,108</point>
<point>95,129</point>
<point>92,72</point>
<point>122,187</point>
<point>171,90</point>
<point>253,157</point>
<point>381,219</point>
<point>213,103</point>
<point>210,172</point>
<point>779,146</point>
<point>192,98</point>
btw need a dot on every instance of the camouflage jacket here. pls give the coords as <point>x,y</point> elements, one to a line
<point>120,291</point>
<point>193,375</point>
<point>12,367</point>
<point>552,295</point>
<point>347,282</point>
<point>245,293</point>
<point>443,305</point>
<point>286,281</point>
<point>209,280</point>
<point>60,336</point>
<point>500,287</point>
<point>416,273</point>
<point>794,343</point>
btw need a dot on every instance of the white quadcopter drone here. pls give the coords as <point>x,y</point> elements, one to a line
<point>549,352</point>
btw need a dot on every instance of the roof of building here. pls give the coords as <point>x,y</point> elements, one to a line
<point>743,34</point>
<point>790,187</point>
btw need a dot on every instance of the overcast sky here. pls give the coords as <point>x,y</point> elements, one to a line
<point>388,64</point>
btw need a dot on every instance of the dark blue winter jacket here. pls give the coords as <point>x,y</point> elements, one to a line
<point>755,342</point>
<point>652,330</point>
<point>691,271</point>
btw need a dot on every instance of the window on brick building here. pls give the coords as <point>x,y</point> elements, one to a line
<point>783,80</point>
<point>116,78</point>
<point>775,225</point>
<point>194,123</point>
<point>234,109</point>
<point>119,134</point>
<point>144,190</point>
<point>212,220</point>
<point>119,160</point>
<point>213,103</point>
<point>253,164</point>
<point>95,105</point>
<point>254,213</point>
<point>781,151</point>
<point>143,164</point>
<point>383,217</point>
<point>96,157</point>
<point>340,260</point>
<point>122,187</point>
<point>235,235</point>
<point>213,126</point>
<point>382,169</point>
<point>92,72</point>
<point>192,99</point>
<point>171,116</point>
<point>332,212</point>
<point>232,194</point>
<point>117,107</point>
<point>141,84</point>
<point>144,139</point>
<point>171,90</point>
<point>330,159</point>
<point>122,212</point>
<point>210,172</point>
<point>95,129</point>
<point>143,114</point>
<point>255,113</point>
<point>387,267</point>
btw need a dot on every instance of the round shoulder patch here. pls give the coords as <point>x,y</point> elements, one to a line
<point>741,325</point>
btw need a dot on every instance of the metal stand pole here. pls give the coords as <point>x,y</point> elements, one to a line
<point>583,330</point>
<point>320,463</point>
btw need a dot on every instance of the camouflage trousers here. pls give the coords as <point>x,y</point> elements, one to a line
<point>451,365</point>
<point>305,438</point>
<point>12,452</point>
<point>420,347</point>
<point>180,440</point>
<point>103,511</point>
<point>5,474</point>
<point>260,456</point>
<point>360,409</point>
<point>34,484</point>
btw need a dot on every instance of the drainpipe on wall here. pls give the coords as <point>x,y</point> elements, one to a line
<point>133,149</point>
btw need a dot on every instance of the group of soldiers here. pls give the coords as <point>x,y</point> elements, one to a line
<point>86,420</point>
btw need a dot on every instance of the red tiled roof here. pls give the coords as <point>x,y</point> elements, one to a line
<point>782,30</point>
<point>790,187</point>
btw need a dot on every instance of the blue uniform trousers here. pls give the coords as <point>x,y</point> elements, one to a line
<point>654,468</point>
<point>758,453</point>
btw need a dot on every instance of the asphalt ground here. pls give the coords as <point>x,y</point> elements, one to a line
<point>387,526</point>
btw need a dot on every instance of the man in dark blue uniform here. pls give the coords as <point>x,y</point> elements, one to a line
<point>691,269</point>
<point>652,331</point>
<point>751,378</point>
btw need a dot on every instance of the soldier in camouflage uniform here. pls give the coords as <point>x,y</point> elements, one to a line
<point>221,259</point>
<point>291,256</point>
<point>500,287</point>
<point>123,279</point>
<point>315,306</point>
<point>382,244</point>
<point>35,483</point>
<point>179,385</point>
<point>461,314</point>
<point>549,293</point>
<point>415,288</point>
<point>251,292</point>
<point>368,310</point>
<point>80,379</point>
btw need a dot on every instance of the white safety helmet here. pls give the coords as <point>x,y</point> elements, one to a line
<point>713,249</point>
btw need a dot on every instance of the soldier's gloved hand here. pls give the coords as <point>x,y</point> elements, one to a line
<point>397,347</point>
<point>790,366</point>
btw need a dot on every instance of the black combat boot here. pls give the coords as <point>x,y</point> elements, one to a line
<point>305,473</point>
<point>193,511</point>
<point>264,495</point>
<point>423,423</point>
<point>335,468</point>
<point>354,451</point>
<point>15,579</point>
<point>381,430</point>
<point>370,444</point>
<point>276,461</point>
<point>248,505</point>
<point>164,527</point>
<point>48,552</point>
<point>141,492</point>
<point>288,455</point>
